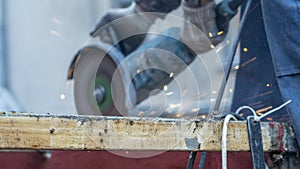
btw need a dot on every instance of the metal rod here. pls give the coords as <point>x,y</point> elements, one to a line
<point>233,4</point>
<point>191,160</point>
<point>203,160</point>
<point>231,58</point>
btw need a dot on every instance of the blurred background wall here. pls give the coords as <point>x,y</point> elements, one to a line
<point>39,42</point>
<point>41,38</point>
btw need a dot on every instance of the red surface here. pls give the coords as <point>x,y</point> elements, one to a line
<point>106,160</point>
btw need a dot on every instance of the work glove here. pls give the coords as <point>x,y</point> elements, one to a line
<point>200,31</point>
<point>126,28</point>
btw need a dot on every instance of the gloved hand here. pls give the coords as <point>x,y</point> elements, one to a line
<point>119,24</point>
<point>200,31</point>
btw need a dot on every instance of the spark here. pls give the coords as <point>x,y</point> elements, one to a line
<point>172,106</point>
<point>222,47</point>
<point>170,93</point>
<point>230,90</point>
<point>62,97</point>
<point>203,116</point>
<point>260,95</point>
<point>255,103</point>
<point>195,109</point>
<point>165,88</point>
<point>172,74</point>
<point>268,85</point>
<point>245,49</point>
<point>178,115</point>
<point>259,112</point>
<point>212,46</point>
<point>56,20</point>
<point>210,34</point>
<point>138,71</point>
<point>220,33</point>
<point>54,33</point>
<point>236,67</point>
<point>249,61</point>
<point>141,114</point>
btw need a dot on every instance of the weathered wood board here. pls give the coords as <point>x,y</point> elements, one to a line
<point>51,132</point>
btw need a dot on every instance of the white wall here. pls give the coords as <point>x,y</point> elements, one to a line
<point>42,37</point>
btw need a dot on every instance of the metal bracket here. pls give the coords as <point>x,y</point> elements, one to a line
<point>256,144</point>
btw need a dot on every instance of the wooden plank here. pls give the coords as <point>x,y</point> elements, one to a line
<point>31,132</point>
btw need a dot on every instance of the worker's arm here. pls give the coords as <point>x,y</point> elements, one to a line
<point>133,20</point>
<point>209,22</point>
